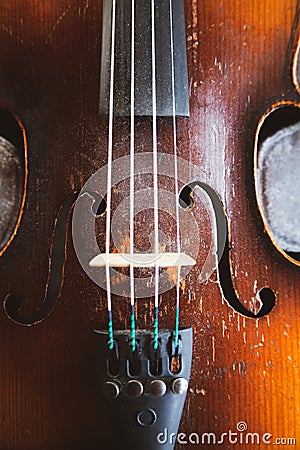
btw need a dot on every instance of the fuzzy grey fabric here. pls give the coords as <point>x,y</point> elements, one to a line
<point>11,188</point>
<point>279,185</point>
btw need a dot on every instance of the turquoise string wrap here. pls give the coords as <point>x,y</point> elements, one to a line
<point>132,327</point>
<point>110,331</point>
<point>155,329</point>
<point>176,327</point>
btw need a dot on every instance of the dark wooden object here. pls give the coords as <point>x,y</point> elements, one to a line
<point>243,369</point>
<point>143,60</point>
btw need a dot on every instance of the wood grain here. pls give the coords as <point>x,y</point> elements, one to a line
<point>243,369</point>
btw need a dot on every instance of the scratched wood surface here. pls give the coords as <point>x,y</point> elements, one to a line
<point>243,369</point>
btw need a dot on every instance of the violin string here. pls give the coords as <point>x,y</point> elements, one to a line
<point>155,178</point>
<point>132,296</point>
<point>175,174</point>
<point>109,170</point>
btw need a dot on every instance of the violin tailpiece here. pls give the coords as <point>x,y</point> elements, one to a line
<point>145,390</point>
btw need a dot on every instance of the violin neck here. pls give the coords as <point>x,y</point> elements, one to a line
<point>142,46</point>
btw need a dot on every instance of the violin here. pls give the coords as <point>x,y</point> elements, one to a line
<point>149,229</point>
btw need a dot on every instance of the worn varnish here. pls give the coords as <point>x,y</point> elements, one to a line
<point>243,369</point>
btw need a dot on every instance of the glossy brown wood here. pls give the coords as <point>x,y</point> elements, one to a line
<point>243,369</point>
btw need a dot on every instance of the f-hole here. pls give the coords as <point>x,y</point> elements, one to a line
<point>99,205</point>
<point>266,296</point>
<point>186,200</point>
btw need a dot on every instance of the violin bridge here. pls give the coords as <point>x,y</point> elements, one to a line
<point>142,260</point>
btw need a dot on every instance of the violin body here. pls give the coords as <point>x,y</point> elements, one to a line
<point>244,369</point>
